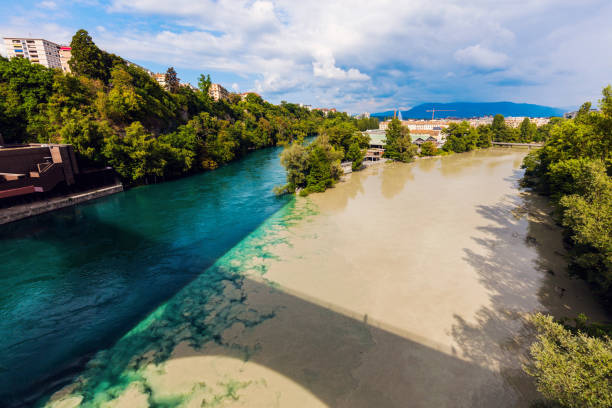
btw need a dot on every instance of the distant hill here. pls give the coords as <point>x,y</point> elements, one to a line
<point>475,109</point>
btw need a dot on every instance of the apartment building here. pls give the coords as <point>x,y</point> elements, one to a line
<point>309,107</point>
<point>161,79</point>
<point>65,53</point>
<point>218,92</point>
<point>37,50</point>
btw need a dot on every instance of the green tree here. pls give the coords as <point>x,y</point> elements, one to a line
<point>460,137</point>
<point>355,155</point>
<point>485,136</point>
<point>87,59</point>
<point>499,123</point>
<point>527,131</point>
<point>25,89</point>
<point>429,149</point>
<point>398,145</point>
<point>571,369</point>
<point>172,80</point>
<point>313,168</point>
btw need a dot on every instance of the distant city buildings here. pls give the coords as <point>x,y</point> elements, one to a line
<point>37,50</point>
<point>217,92</point>
<point>325,111</point>
<point>572,114</point>
<point>485,120</point>
<point>439,124</point>
<point>515,121</point>
<point>412,124</point>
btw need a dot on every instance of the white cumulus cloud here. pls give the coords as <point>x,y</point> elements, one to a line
<point>481,57</point>
<point>324,66</point>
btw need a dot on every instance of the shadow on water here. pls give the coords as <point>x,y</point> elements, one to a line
<point>521,262</point>
<point>341,359</point>
<point>74,281</point>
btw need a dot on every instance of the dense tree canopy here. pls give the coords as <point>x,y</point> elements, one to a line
<point>574,167</point>
<point>571,368</point>
<point>115,113</point>
<point>461,137</point>
<point>311,168</point>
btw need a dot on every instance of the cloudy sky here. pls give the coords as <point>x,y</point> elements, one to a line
<point>354,55</point>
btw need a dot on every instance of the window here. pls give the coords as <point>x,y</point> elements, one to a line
<point>17,41</point>
<point>30,41</point>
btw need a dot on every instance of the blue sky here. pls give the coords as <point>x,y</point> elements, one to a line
<point>353,55</point>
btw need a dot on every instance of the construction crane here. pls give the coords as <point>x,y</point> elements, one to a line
<point>433,111</point>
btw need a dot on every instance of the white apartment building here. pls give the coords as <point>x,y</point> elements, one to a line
<point>161,79</point>
<point>217,92</point>
<point>65,53</point>
<point>37,50</point>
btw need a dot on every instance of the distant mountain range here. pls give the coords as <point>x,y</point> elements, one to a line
<point>475,109</point>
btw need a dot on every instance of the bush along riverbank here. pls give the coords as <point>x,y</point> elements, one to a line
<point>316,167</point>
<point>571,361</point>
<point>116,114</point>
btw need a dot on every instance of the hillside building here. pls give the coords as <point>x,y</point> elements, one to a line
<point>217,92</point>
<point>65,54</point>
<point>37,50</point>
<point>161,79</point>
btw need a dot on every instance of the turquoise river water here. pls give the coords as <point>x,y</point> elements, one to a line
<point>75,281</point>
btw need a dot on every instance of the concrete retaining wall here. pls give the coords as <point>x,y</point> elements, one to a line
<point>19,212</point>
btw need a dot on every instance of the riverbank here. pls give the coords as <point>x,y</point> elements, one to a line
<point>406,285</point>
<point>18,212</point>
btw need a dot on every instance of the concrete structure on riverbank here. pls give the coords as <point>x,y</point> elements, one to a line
<point>36,168</point>
<point>19,212</point>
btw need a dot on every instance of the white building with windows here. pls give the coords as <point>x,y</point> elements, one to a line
<point>37,50</point>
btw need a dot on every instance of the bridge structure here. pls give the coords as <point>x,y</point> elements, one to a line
<point>508,144</point>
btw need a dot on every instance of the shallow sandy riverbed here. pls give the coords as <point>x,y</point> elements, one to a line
<point>404,286</point>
